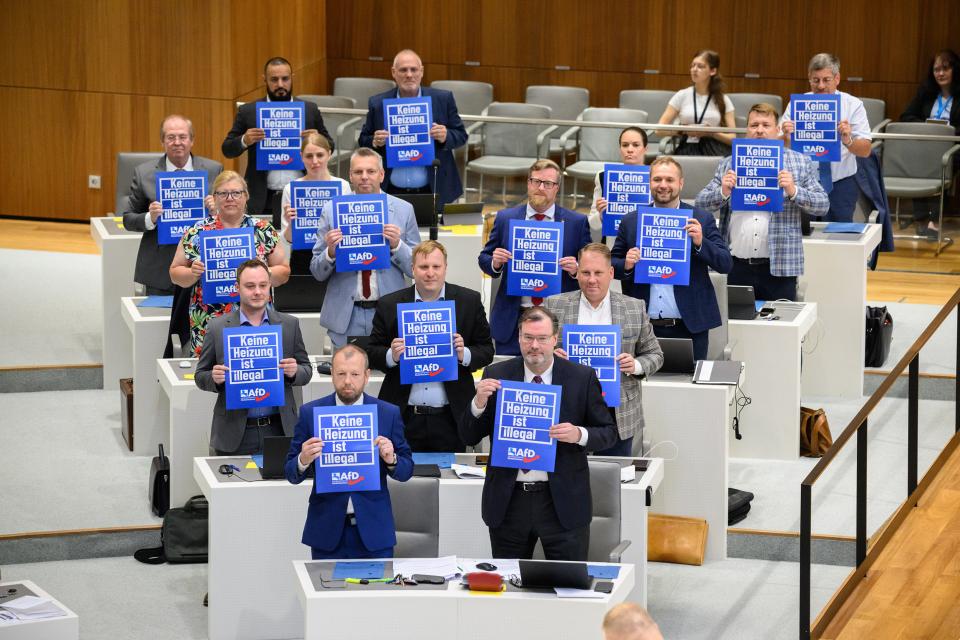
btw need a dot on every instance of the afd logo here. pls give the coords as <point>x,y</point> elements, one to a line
<point>818,150</point>
<point>759,199</point>
<point>410,155</point>
<point>279,158</point>
<point>522,454</point>
<point>660,271</point>
<point>364,258</point>
<point>257,394</point>
<point>433,369</point>
<point>536,284</point>
<point>348,478</point>
<point>226,290</point>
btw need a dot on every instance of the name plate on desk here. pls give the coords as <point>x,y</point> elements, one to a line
<point>350,460</point>
<point>525,413</point>
<point>252,355</point>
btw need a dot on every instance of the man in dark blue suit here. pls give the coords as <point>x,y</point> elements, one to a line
<point>447,132</point>
<point>543,183</point>
<point>350,524</point>
<point>676,311</point>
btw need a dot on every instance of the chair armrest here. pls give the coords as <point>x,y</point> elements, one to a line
<point>343,126</point>
<point>881,125</point>
<point>876,145</point>
<point>563,145</point>
<point>617,552</point>
<point>474,127</point>
<point>727,352</point>
<point>666,145</point>
<point>945,160</point>
<point>543,140</point>
<point>872,218</point>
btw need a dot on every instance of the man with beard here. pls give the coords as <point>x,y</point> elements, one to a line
<point>266,187</point>
<point>676,311</point>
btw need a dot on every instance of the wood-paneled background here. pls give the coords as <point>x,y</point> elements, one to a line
<point>82,81</point>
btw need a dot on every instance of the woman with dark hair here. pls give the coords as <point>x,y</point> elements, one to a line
<point>703,104</point>
<point>938,98</point>
<point>633,149</point>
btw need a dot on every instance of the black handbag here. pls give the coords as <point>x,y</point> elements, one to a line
<point>159,486</point>
<point>879,333</point>
<point>738,505</point>
<point>183,536</point>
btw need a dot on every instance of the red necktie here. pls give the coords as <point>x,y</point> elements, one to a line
<point>537,300</point>
<point>365,283</point>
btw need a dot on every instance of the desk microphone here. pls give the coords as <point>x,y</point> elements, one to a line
<point>434,231</point>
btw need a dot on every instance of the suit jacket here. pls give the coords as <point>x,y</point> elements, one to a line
<point>226,432</point>
<point>784,239</point>
<point>448,184</point>
<point>919,108</point>
<point>326,511</point>
<point>342,286</point>
<point>581,404</point>
<point>697,301</point>
<point>506,309</point>
<point>153,260</point>
<point>232,146</point>
<point>471,324</point>
<point>636,338</point>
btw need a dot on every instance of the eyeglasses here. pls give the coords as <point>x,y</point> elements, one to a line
<point>538,339</point>
<point>546,184</point>
<point>230,195</point>
<point>940,69</point>
<point>176,138</point>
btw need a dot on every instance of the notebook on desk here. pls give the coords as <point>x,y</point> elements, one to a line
<point>718,372</point>
<point>544,574</point>
<point>275,450</point>
<point>741,303</point>
<point>677,355</point>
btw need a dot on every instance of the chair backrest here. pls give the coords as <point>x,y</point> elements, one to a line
<point>605,527</point>
<point>697,173</point>
<point>348,140</point>
<point>876,110</point>
<point>360,89</point>
<point>416,515</point>
<point>743,101</point>
<point>602,144</point>
<point>127,162</point>
<point>471,97</point>
<point>565,103</point>
<point>653,101</point>
<point>514,140</point>
<point>718,336</point>
<point>915,158</point>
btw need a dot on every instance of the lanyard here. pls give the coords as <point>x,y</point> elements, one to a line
<point>697,119</point>
<point>941,105</point>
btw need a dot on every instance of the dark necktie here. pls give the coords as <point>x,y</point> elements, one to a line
<point>365,283</point>
<point>537,300</point>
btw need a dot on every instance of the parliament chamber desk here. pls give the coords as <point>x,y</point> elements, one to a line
<point>463,244</point>
<point>118,256</point>
<point>835,274</point>
<point>255,528</point>
<point>448,611</point>
<point>771,351</point>
<point>148,328</point>
<point>66,627</point>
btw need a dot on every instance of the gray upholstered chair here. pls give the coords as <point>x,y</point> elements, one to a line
<point>344,128</point>
<point>361,89</point>
<point>472,99</point>
<point>127,162</point>
<point>719,347</point>
<point>565,103</point>
<point>743,101</point>
<point>416,515</point>
<point>697,173</point>
<point>876,113</point>
<point>606,543</point>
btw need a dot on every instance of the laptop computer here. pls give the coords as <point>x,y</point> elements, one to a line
<point>275,450</point>
<point>546,574</point>
<point>422,204</point>
<point>463,213</point>
<point>741,303</point>
<point>300,294</point>
<point>677,355</point>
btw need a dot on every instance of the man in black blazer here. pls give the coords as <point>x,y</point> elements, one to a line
<point>430,411</point>
<point>142,210</point>
<point>266,187</point>
<point>521,506</point>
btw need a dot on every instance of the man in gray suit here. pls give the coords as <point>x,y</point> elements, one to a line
<point>241,431</point>
<point>351,298</point>
<point>640,353</point>
<point>142,210</point>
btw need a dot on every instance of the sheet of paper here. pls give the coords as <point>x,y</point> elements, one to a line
<point>446,566</point>
<point>468,471</point>
<point>344,570</point>
<point>706,370</point>
<point>442,460</point>
<point>33,608</point>
<point>159,302</point>
<point>628,473</point>
<point>563,592</point>
<point>603,571</point>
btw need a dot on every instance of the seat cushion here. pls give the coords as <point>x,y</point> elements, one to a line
<point>501,165</point>
<point>911,187</point>
<point>585,169</point>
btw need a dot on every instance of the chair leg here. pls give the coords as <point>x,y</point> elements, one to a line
<point>480,190</point>
<point>896,212</point>
<point>503,194</point>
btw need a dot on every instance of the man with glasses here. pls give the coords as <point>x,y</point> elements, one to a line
<point>447,132</point>
<point>839,179</point>
<point>543,184</point>
<point>521,506</point>
<point>266,187</point>
<point>141,210</point>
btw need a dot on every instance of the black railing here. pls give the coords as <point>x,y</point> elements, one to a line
<point>911,362</point>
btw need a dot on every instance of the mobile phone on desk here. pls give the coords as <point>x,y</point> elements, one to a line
<point>420,578</point>
<point>641,465</point>
<point>603,587</point>
<point>482,460</point>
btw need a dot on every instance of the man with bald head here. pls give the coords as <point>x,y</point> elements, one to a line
<point>447,132</point>
<point>629,621</point>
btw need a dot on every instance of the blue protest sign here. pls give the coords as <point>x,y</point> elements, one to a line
<point>408,122</point>
<point>307,197</point>
<point>534,267</point>
<point>427,330</point>
<point>816,117</point>
<point>221,252</point>
<point>349,461</point>
<point>181,194</point>
<point>525,413</point>
<point>757,164</point>
<point>361,219</point>
<point>625,187</point>
<point>252,357</point>
<point>597,346</point>
<point>664,247</point>
<point>282,122</point>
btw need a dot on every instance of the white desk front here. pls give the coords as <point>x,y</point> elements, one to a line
<point>148,326</point>
<point>835,274</point>
<point>447,612</point>
<point>118,259</point>
<point>770,424</point>
<point>66,627</point>
<point>463,245</point>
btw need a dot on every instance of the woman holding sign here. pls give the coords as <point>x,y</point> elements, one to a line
<point>230,212</point>
<point>633,148</point>
<point>703,104</point>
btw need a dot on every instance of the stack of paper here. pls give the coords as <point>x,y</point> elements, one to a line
<point>446,566</point>
<point>32,608</point>
<point>467,471</point>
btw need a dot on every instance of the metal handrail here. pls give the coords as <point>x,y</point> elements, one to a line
<point>858,425</point>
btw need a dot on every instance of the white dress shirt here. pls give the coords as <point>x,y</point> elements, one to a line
<point>601,314</point>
